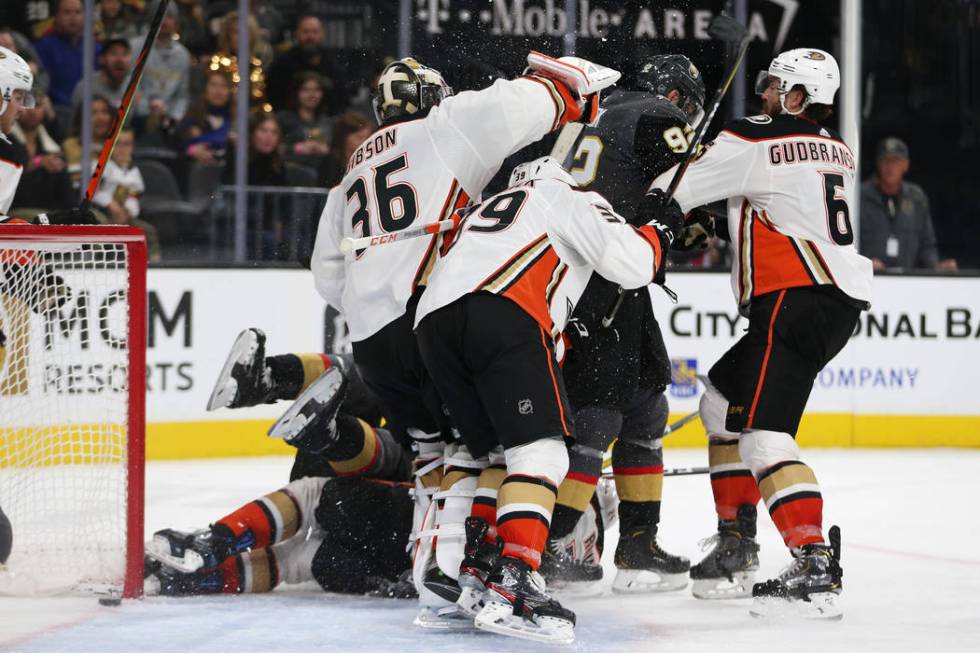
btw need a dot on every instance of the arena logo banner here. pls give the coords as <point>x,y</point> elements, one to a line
<point>613,32</point>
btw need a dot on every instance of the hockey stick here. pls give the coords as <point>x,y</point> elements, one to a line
<point>125,104</point>
<point>723,28</point>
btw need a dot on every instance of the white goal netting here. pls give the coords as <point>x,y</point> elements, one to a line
<point>64,411</point>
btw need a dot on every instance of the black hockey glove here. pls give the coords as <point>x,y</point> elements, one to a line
<point>71,216</point>
<point>667,219</point>
<point>699,228</point>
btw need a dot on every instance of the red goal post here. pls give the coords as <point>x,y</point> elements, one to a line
<point>72,407</point>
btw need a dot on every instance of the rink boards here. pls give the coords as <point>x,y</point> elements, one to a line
<point>907,378</point>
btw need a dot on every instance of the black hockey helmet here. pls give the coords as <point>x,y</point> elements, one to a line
<point>666,72</point>
<point>406,87</point>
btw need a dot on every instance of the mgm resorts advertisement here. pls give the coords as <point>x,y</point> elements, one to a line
<point>909,376</point>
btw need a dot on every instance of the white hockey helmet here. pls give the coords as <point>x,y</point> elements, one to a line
<point>815,70</point>
<point>544,168</point>
<point>15,75</point>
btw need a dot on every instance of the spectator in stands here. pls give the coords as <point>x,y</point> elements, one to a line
<point>44,185</point>
<point>61,51</point>
<point>103,113</point>
<point>192,28</point>
<point>109,81</point>
<point>309,54</point>
<point>120,190</point>
<point>165,86</point>
<point>306,125</point>
<point>116,19</point>
<point>896,224</point>
<point>349,131</point>
<point>226,58</point>
<point>265,168</point>
<point>206,130</point>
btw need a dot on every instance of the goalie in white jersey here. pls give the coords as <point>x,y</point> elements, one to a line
<point>486,323</point>
<point>799,279</point>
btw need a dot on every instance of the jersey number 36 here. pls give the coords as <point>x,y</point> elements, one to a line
<point>395,203</point>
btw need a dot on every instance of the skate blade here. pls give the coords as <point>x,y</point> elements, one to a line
<point>578,589</point>
<point>643,581</point>
<point>290,426</point>
<point>821,606</point>
<point>226,387</point>
<point>159,549</point>
<point>711,589</point>
<point>499,618</point>
<point>447,619</point>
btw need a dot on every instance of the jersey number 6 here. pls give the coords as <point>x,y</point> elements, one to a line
<point>838,213</point>
<point>396,203</point>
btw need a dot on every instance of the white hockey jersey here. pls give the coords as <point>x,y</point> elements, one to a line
<point>790,185</point>
<point>416,172</point>
<point>537,244</point>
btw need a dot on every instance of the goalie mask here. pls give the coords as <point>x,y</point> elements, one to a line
<point>15,75</point>
<point>815,70</point>
<point>669,72</point>
<point>405,88</point>
<point>544,168</point>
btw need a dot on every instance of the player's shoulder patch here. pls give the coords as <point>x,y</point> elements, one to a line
<point>761,119</point>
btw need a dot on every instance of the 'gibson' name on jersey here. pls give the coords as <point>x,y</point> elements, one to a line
<point>808,151</point>
<point>372,147</point>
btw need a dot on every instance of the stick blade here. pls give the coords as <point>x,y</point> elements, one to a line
<point>726,28</point>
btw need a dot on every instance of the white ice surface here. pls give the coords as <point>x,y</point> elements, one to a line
<point>911,576</point>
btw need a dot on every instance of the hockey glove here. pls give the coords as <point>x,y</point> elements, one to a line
<point>699,228</point>
<point>666,219</point>
<point>72,216</point>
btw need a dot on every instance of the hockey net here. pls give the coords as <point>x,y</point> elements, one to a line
<point>72,383</point>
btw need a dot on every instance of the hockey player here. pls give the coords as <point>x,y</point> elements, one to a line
<point>360,519</point>
<point>16,84</point>
<point>485,326</point>
<point>799,279</point>
<point>432,154</point>
<point>616,376</point>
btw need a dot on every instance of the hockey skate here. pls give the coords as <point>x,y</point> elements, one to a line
<point>309,422</point>
<point>448,616</point>
<point>728,570</point>
<point>479,558</point>
<point>564,573</point>
<point>643,566</point>
<point>807,588</point>
<point>244,379</point>
<point>165,581</point>
<point>190,552</point>
<point>517,606</point>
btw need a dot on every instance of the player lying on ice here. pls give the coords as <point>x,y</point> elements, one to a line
<point>349,484</point>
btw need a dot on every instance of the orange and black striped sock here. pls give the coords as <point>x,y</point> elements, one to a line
<point>638,471</point>
<point>292,373</point>
<point>485,500</point>
<point>794,501</point>
<point>732,483</point>
<point>260,523</point>
<point>524,506</point>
